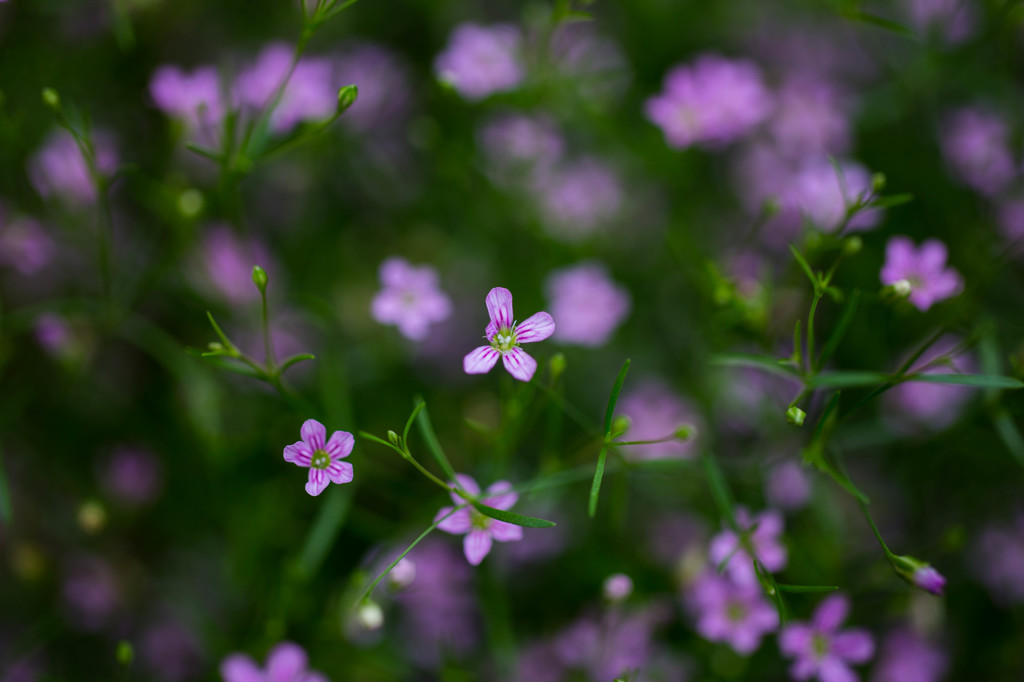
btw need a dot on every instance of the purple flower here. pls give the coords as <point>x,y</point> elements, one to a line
<point>609,647</point>
<point>976,144</point>
<point>322,456</point>
<point>711,102</point>
<point>90,592</point>
<point>505,335</point>
<point>953,20</point>
<point>516,143</point>
<point>58,168</point>
<point>924,269</point>
<point>617,587</point>
<point>578,198</point>
<point>479,530</point>
<point>383,87</point>
<point>481,60</point>
<point>764,539</point>
<point>410,299</point>
<point>787,486</point>
<point>738,615</point>
<point>932,406</point>
<point>588,304</point>
<point>54,334</point>
<point>286,662</point>
<point>311,93</point>
<point>1010,219</point>
<point>25,246</point>
<point>195,98</point>
<point>906,657</point>
<point>929,580</point>
<point>226,262</point>
<point>820,649</point>
<point>999,561</point>
<point>170,652</point>
<point>589,63</point>
<point>131,476</point>
<point>809,119</point>
<point>655,412</point>
<point>819,195</point>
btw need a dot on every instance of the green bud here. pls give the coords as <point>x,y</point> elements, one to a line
<point>259,278</point>
<point>852,245</point>
<point>795,416</point>
<point>685,432</point>
<point>393,437</point>
<point>92,517</point>
<point>877,182</point>
<point>51,98</point>
<point>620,425</point>
<point>347,97</point>
<point>557,365</point>
<point>370,615</point>
<point>124,653</point>
<point>190,202</point>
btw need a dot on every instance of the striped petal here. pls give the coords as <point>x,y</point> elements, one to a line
<point>314,433</point>
<point>476,545</point>
<point>339,472</point>
<point>480,360</point>
<point>519,364</point>
<point>340,444</point>
<point>499,307</point>
<point>318,480</point>
<point>535,328</point>
<point>298,453</point>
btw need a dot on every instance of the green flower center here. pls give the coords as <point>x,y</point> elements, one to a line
<point>504,340</point>
<point>736,613</point>
<point>321,460</point>
<point>820,645</point>
<point>479,521</point>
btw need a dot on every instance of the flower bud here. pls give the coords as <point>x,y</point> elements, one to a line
<point>51,99</point>
<point>795,416</point>
<point>852,245</point>
<point>617,587</point>
<point>124,654</point>
<point>347,97</point>
<point>92,517</point>
<point>393,438</point>
<point>620,425</point>
<point>685,432</point>
<point>370,615</point>
<point>919,573</point>
<point>259,278</point>
<point>190,203</point>
<point>557,365</point>
<point>403,574</point>
<point>877,183</point>
<point>902,288</point>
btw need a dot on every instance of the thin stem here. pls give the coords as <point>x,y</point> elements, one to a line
<point>268,342</point>
<point>867,515</point>
<point>811,364</point>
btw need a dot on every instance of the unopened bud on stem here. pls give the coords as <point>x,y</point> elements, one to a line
<point>259,278</point>
<point>795,416</point>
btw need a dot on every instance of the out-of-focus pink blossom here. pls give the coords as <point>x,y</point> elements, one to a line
<point>383,83</point>
<point>712,101</point>
<point>520,144</point>
<point>787,486</point>
<point>932,406</point>
<point>998,560</point>
<point>286,662</point>
<point>226,261</point>
<point>609,647</point>
<point>923,269</point>
<point>58,168</point>
<point>736,614</point>
<point>480,530</point>
<point>907,657</point>
<point>764,540</point>
<point>90,592</point>
<point>25,246</point>
<point>590,63</point>
<point>54,334</point>
<point>589,306</point>
<point>505,335</point>
<point>821,650</point>
<point>655,412</point>
<point>481,60</point>
<point>170,652</point>
<point>819,194</point>
<point>411,298</point>
<point>322,456</point>
<point>809,119</point>
<point>196,98</point>
<point>953,20</point>
<point>311,93</point>
<point>976,144</point>
<point>131,476</point>
<point>578,198</point>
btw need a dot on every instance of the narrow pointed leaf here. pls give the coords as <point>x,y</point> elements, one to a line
<point>783,587</point>
<point>511,517</point>
<point>840,329</point>
<point>595,486</point>
<point>427,431</point>
<point>976,380</point>
<point>295,359</point>
<point>614,397</point>
<point>765,362</point>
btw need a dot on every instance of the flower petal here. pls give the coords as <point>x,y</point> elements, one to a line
<point>466,482</point>
<point>855,645</point>
<point>318,480</point>
<point>459,523</point>
<point>796,640</point>
<point>499,307</point>
<point>492,329</point>
<point>340,444</point>
<point>519,364</point>
<point>505,532</point>
<point>480,360</point>
<point>298,453</point>
<point>833,669</point>
<point>500,495</point>
<point>314,434</point>
<point>339,472</point>
<point>240,668</point>
<point>476,545</point>
<point>535,328</point>
<point>831,613</point>
<point>285,662</point>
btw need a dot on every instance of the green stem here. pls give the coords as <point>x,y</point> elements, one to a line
<point>871,521</point>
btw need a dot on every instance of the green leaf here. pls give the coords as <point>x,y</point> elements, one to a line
<point>609,411</point>
<point>595,486</point>
<point>204,152</point>
<point>412,417</point>
<point>976,380</point>
<point>324,531</point>
<point>892,200</point>
<point>847,379</point>
<point>880,22</point>
<point>1009,433</point>
<point>765,362</point>
<point>805,266</point>
<point>845,318</point>
<point>783,587</point>
<point>427,431</point>
<point>511,517</point>
<point>295,359</point>
<point>220,334</point>
<point>720,490</point>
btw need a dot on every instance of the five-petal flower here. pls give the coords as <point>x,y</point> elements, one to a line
<point>322,456</point>
<point>479,530</point>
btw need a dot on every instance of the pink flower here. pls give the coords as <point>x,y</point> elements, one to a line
<point>310,95</point>
<point>25,246</point>
<point>764,539</point>
<point>58,168</point>
<point>589,305</point>
<point>410,299</point>
<point>908,657</point>
<point>929,580</point>
<point>976,144</point>
<point>287,662</point>
<point>738,615</point>
<point>924,269</point>
<point>481,60</point>
<point>822,651</point>
<point>321,456</point>
<point>656,411</point>
<point>195,97</point>
<point>505,335</point>
<point>787,486</point>
<point>480,530</point>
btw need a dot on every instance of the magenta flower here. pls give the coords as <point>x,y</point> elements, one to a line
<point>929,580</point>
<point>924,269</point>
<point>655,411</point>
<point>976,144</point>
<point>286,662</point>
<point>195,98</point>
<point>998,560</point>
<point>787,486</point>
<point>505,335</point>
<point>588,304</point>
<point>819,648</point>
<point>918,406</point>
<point>480,530</point>
<point>578,198</point>
<point>481,60</point>
<point>712,102</point>
<point>410,299</point>
<point>225,262</point>
<point>58,168</point>
<point>25,246</point>
<point>954,21</point>
<point>907,657</point>
<point>131,476</point>
<point>311,93</point>
<point>321,456</point>
<point>738,615</point>
<point>764,539</point>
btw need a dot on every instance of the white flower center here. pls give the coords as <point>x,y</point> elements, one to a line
<point>504,340</point>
